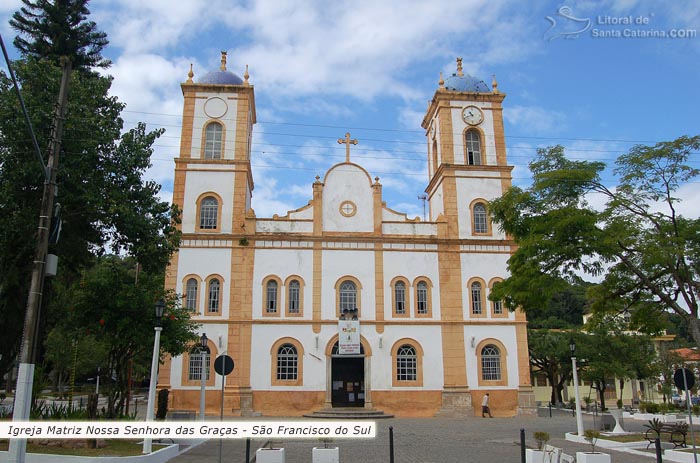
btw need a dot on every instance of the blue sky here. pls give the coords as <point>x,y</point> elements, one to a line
<point>323,68</point>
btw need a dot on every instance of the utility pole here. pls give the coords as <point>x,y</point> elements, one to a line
<point>27,354</point>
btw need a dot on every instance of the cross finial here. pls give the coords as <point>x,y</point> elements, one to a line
<point>460,72</point>
<point>223,60</point>
<point>347,142</point>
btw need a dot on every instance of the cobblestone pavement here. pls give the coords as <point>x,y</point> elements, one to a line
<point>428,440</point>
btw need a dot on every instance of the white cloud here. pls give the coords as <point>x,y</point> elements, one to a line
<point>137,27</point>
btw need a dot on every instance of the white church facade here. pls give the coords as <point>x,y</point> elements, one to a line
<point>269,292</point>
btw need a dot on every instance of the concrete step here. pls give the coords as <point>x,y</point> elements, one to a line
<point>348,413</point>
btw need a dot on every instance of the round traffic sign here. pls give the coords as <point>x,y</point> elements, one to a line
<point>678,379</point>
<point>223,365</point>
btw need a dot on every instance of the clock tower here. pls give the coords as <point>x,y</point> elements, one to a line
<point>467,168</point>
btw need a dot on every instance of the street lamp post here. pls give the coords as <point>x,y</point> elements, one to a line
<point>160,307</point>
<point>203,375</point>
<point>579,417</point>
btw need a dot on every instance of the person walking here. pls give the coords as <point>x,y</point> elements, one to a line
<point>485,407</point>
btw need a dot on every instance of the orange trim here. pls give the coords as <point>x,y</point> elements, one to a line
<point>185,279</point>
<point>278,302</point>
<point>482,297</point>
<point>418,382</point>
<point>504,364</point>
<point>205,310</point>
<point>489,230</point>
<point>300,312</point>
<point>429,297</point>
<point>406,298</point>
<point>274,351</point>
<point>203,144</point>
<point>213,352</point>
<point>198,205</point>
<point>358,294</point>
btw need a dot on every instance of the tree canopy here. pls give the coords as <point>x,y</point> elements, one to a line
<point>106,205</point>
<point>59,28</point>
<point>112,305</point>
<point>645,252</point>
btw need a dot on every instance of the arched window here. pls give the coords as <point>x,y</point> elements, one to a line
<point>214,295</point>
<point>406,363</point>
<point>435,157</point>
<point>271,297</point>
<point>422,298</point>
<point>498,307</point>
<point>293,297</point>
<point>400,298</point>
<point>473,148</point>
<point>197,359</point>
<point>191,295</point>
<point>213,141</point>
<point>348,296</point>
<point>477,308</point>
<point>208,213</point>
<point>480,223</point>
<point>287,363</point>
<point>490,363</point>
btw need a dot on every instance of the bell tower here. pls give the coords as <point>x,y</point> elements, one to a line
<point>466,150</point>
<point>217,127</point>
<point>213,187</point>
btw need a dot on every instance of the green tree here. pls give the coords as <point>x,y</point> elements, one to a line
<point>564,309</point>
<point>105,203</point>
<point>550,355</point>
<point>119,312</point>
<point>72,352</point>
<point>644,249</point>
<point>59,28</point>
<point>607,353</point>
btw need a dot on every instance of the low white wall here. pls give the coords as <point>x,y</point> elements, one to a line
<point>159,456</point>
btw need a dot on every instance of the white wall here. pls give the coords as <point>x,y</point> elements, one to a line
<point>201,119</point>
<point>506,335</point>
<point>197,183</point>
<point>348,182</point>
<point>282,263</point>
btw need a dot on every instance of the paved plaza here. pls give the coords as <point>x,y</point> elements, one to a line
<point>429,440</point>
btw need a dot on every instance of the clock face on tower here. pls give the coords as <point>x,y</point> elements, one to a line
<point>472,115</point>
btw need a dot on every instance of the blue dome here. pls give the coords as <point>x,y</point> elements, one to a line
<point>220,78</point>
<point>466,83</point>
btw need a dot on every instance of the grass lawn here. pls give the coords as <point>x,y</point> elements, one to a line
<point>115,448</point>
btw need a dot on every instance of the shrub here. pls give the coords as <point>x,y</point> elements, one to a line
<point>541,437</point>
<point>652,407</point>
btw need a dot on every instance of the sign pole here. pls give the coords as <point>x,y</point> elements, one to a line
<point>687,404</point>
<point>223,365</point>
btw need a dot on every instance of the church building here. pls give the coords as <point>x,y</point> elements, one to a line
<point>345,302</point>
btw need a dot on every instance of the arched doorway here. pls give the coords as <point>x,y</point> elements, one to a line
<point>347,378</point>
